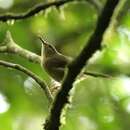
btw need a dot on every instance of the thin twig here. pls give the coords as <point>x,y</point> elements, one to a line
<point>95,74</point>
<point>94,43</point>
<point>31,74</point>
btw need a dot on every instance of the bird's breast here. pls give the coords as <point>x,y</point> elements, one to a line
<point>54,68</point>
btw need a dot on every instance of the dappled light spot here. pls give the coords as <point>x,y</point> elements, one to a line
<point>87,124</point>
<point>30,123</point>
<point>10,22</point>
<point>120,87</point>
<point>5,4</point>
<point>128,107</point>
<point>124,32</point>
<point>126,84</point>
<point>4,105</point>
<point>123,57</point>
<point>28,85</point>
<point>108,118</point>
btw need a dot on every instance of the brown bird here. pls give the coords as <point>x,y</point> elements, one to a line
<point>55,63</point>
<point>52,61</point>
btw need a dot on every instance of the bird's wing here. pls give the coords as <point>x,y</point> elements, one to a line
<point>55,66</point>
<point>58,61</point>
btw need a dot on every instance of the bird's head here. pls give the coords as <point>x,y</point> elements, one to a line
<point>47,49</point>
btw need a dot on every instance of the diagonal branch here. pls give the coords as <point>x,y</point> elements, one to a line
<point>43,6</point>
<point>31,74</point>
<point>94,43</point>
<point>9,46</point>
<point>31,12</point>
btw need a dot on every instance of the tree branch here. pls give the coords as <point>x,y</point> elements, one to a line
<point>31,12</point>
<point>31,74</point>
<point>9,46</point>
<point>95,74</point>
<point>43,6</point>
<point>94,43</point>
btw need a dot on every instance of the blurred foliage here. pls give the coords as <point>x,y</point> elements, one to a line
<point>98,103</point>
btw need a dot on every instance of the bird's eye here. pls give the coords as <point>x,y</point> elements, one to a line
<point>49,46</point>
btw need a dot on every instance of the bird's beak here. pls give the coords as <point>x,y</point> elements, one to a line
<point>43,41</point>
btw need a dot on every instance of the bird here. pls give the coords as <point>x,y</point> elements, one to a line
<point>53,61</point>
